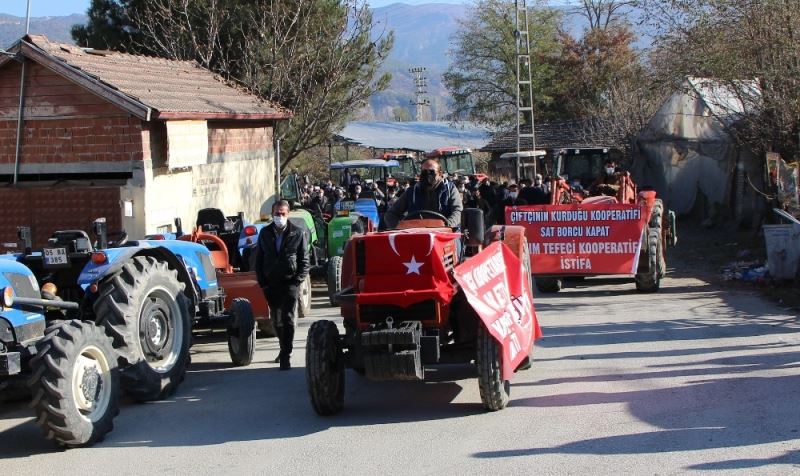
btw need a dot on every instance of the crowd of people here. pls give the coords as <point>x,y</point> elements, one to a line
<point>326,197</point>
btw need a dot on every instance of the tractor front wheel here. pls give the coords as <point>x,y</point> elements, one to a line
<point>334,278</point>
<point>325,368</point>
<point>75,384</point>
<point>651,262</point>
<point>489,360</point>
<point>145,312</point>
<point>548,285</point>
<point>241,333</point>
<point>304,298</point>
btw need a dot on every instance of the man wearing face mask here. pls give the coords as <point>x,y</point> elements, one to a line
<point>282,264</point>
<point>431,193</point>
<point>513,200</point>
<point>608,183</point>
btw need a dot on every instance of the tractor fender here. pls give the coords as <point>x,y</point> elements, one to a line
<point>117,257</point>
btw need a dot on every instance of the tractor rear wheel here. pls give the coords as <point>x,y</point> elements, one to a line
<point>651,262</point>
<point>241,333</point>
<point>145,312</point>
<point>325,368</point>
<point>334,278</point>
<point>489,360</point>
<point>304,298</point>
<point>548,285</point>
<point>75,384</point>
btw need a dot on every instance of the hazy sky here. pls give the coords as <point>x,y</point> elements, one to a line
<point>40,8</point>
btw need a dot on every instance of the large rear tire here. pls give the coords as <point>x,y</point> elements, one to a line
<point>651,262</point>
<point>548,285</point>
<point>304,298</point>
<point>334,278</point>
<point>241,333</point>
<point>494,390</point>
<point>75,384</point>
<point>147,315</point>
<point>325,368</point>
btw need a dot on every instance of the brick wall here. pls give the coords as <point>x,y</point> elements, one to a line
<point>64,123</point>
<point>236,139</point>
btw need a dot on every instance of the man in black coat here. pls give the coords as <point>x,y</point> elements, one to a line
<point>431,193</point>
<point>282,264</point>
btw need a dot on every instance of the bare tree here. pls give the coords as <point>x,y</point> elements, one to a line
<point>749,51</point>
<point>603,13</point>
<point>318,58</point>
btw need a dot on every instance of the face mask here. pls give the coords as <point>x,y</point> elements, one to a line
<point>428,178</point>
<point>609,170</point>
<point>280,221</point>
<point>513,195</point>
<point>358,191</point>
<point>391,195</point>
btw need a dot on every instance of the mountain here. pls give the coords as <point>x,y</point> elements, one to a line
<point>56,28</point>
<point>421,38</point>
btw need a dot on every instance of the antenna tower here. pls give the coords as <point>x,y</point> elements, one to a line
<point>420,95</point>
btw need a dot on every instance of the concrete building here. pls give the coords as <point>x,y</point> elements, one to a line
<point>139,140</point>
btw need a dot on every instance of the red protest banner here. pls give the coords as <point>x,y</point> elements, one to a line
<point>498,288</point>
<point>582,239</point>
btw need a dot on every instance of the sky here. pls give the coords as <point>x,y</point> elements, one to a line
<point>41,8</point>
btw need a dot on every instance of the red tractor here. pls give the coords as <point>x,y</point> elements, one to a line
<point>611,229</point>
<point>424,295</point>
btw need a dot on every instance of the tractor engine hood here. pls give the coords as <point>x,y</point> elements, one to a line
<point>405,267</point>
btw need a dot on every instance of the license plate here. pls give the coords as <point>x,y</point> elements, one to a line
<point>55,257</point>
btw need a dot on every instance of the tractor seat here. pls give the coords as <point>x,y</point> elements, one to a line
<point>211,219</point>
<point>76,241</point>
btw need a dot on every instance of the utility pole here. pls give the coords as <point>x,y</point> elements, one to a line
<point>420,96</point>
<point>524,82</point>
<point>20,114</point>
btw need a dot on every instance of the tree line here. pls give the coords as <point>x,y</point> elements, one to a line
<point>322,58</point>
<point>747,48</point>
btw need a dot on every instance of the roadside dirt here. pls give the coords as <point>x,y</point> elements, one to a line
<point>704,253</point>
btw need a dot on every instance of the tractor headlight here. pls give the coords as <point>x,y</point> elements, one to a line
<point>8,296</point>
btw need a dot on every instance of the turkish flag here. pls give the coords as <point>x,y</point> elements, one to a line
<point>408,267</point>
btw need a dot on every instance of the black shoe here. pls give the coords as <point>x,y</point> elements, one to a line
<point>285,365</point>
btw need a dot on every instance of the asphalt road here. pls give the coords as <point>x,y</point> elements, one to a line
<point>692,378</point>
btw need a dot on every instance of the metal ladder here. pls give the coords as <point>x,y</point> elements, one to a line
<point>524,82</point>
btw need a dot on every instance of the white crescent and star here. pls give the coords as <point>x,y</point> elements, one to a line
<point>393,245</point>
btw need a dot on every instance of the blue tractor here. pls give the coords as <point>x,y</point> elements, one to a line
<point>69,366</point>
<point>148,296</point>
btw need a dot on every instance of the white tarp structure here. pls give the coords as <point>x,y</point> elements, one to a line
<point>421,135</point>
<point>685,150</point>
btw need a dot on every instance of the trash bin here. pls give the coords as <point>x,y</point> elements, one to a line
<point>783,250</point>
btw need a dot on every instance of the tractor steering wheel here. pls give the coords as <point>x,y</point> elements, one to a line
<point>121,239</point>
<point>422,214</point>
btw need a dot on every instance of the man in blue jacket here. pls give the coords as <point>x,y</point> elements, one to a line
<point>431,193</point>
<point>282,264</point>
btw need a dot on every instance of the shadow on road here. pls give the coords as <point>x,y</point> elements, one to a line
<point>706,414</point>
<point>217,404</point>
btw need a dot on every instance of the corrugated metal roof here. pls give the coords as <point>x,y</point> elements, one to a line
<point>422,136</point>
<point>170,87</point>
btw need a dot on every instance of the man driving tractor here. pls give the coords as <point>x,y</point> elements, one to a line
<point>608,182</point>
<point>432,194</point>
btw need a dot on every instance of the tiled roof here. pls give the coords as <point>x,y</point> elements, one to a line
<point>172,88</point>
<point>556,135</point>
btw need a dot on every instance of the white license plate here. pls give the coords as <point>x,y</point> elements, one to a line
<point>55,256</point>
